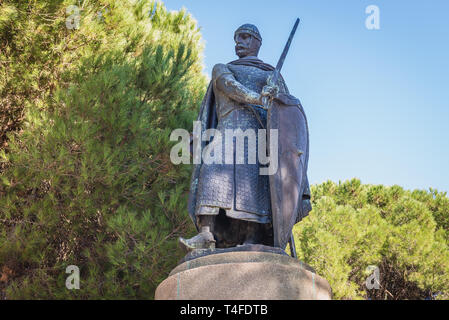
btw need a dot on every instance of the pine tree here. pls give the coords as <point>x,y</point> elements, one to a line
<point>402,233</point>
<point>89,182</point>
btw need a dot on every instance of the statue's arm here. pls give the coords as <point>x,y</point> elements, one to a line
<point>225,81</point>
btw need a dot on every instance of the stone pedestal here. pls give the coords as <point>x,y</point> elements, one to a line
<point>243,275</point>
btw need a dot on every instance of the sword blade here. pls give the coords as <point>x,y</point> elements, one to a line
<point>273,79</point>
<point>287,46</point>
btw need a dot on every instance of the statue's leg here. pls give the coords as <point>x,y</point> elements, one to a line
<point>207,222</point>
<point>254,233</point>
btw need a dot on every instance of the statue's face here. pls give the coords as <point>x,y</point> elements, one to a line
<point>246,45</point>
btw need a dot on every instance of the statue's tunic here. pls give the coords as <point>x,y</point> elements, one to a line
<point>239,189</point>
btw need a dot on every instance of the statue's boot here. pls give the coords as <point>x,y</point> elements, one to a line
<point>203,240</point>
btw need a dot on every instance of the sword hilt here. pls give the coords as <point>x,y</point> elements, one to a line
<point>274,77</point>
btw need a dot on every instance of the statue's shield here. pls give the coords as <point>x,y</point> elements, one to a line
<point>287,183</point>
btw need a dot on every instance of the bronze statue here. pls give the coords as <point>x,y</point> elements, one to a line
<point>232,204</point>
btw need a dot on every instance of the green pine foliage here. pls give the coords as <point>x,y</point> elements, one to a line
<point>36,53</point>
<point>88,181</point>
<point>403,233</point>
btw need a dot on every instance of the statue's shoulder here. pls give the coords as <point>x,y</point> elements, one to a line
<point>220,69</point>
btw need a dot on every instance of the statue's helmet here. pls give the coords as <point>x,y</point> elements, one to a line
<point>250,29</point>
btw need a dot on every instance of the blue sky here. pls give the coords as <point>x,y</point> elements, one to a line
<point>377,101</point>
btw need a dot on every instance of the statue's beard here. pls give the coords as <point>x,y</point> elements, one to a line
<point>241,51</point>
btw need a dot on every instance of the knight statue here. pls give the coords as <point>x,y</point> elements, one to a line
<point>233,204</point>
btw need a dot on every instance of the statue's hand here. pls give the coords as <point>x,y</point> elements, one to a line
<point>267,94</point>
<point>269,91</point>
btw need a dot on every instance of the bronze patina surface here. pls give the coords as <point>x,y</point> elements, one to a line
<point>233,204</point>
